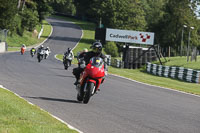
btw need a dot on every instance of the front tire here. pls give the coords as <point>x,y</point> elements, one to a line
<point>88,92</point>
<point>66,64</point>
<point>80,93</point>
<point>79,98</point>
<point>39,58</point>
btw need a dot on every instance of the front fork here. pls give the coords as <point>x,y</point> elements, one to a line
<point>84,89</point>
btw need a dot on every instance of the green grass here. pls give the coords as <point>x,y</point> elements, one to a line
<point>17,116</point>
<point>140,74</point>
<point>182,62</point>
<point>15,41</point>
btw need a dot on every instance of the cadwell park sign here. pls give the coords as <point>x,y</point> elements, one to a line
<point>129,36</point>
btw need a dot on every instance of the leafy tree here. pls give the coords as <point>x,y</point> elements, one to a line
<point>111,49</point>
<point>66,7</point>
<point>177,13</point>
<point>83,8</point>
<point>8,11</point>
<point>154,10</point>
<point>29,19</point>
<point>43,9</point>
<point>121,14</point>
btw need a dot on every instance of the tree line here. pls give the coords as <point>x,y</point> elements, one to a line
<point>166,18</point>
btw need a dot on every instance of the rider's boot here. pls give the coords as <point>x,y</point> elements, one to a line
<point>77,82</point>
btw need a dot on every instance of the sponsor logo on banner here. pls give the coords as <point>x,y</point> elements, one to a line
<point>129,36</point>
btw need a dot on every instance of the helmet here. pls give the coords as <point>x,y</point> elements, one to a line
<point>41,46</point>
<point>47,47</point>
<point>96,47</point>
<point>69,49</point>
<point>85,50</point>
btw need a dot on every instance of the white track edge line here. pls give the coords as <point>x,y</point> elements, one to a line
<point>155,85</point>
<point>68,125</point>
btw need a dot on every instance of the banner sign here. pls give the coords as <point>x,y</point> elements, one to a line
<point>129,36</point>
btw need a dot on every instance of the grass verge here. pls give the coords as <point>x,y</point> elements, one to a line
<point>139,74</point>
<point>181,62</point>
<point>17,116</point>
<point>15,41</point>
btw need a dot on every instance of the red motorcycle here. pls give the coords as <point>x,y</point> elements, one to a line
<point>90,79</point>
<point>23,50</point>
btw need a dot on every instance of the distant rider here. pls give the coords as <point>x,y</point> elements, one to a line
<point>23,48</point>
<point>47,52</point>
<point>47,48</point>
<point>69,53</point>
<point>40,48</point>
<point>33,50</point>
<point>80,55</point>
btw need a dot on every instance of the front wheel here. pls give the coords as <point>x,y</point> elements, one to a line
<point>79,97</point>
<point>88,92</point>
<point>45,56</point>
<point>39,58</point>
<point>66,64</point>
<point>80,93</point>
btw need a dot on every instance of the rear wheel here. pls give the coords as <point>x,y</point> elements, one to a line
<point>88,92</point>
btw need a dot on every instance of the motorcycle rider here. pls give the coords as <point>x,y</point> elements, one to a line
<point>47,48</point>
<point>96,52</point>
<point>33,50</point>
<point>47,52</point>
<point>81,55</point>
<point>23,48</point>
<point>70,53</point>
<point>40,48</point>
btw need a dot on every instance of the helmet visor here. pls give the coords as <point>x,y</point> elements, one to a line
<point>97,50</point>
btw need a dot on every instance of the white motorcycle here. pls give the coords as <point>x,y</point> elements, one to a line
<point>40,55</point>
<point>46,54</point>
<point>67,59</point>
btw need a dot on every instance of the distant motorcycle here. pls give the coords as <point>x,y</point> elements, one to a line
<point>46,54</point>
<point>90,79</point>
<point>23,50</point>
<point>67,59</point>
<point>32,52</point>
<point>40,55</point>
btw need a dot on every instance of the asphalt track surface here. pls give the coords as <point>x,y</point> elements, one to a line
<point>122,106</point>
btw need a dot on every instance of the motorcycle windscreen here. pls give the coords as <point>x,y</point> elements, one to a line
<point>95,68</point>
<point>97,62</point>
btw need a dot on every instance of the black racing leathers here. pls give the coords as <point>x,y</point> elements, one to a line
<point>77,71</point>
<point>91,54</point>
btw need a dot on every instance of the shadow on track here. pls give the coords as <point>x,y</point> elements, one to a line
<point>65,76</point>
<point>53,99</point>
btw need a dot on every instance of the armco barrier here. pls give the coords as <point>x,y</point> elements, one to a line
<point>2,47</point>
<point>181,73</point>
